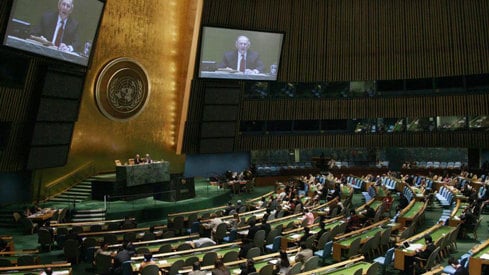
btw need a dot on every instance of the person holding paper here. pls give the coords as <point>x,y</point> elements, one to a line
<point>242,59</point>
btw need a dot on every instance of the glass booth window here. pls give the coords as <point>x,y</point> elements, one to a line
<point>480,123</point>
<point>420,124</point>
<point>450,123</point>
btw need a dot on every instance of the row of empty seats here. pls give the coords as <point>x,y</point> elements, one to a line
<point>445,197</point>
<point>389,183</point>
<point>408,193</point>
<point>428,182</point>
<point>355,182</point>
<point>439,164</point>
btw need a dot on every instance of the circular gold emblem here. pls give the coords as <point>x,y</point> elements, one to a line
<point>122,89</point>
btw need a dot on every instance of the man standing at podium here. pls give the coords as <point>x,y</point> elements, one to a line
<point>59,27</point>
<point>242,59</point>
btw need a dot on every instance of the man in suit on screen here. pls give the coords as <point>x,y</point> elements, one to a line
<point>59,28</point>
<point>242,59</point>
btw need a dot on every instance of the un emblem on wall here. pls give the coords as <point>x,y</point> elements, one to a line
<point>122,89</point>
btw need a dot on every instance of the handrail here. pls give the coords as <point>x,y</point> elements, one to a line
<point>89,167</point>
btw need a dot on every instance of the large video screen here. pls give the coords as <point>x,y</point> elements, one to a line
<point>60,29</point>
<point>239,54</point>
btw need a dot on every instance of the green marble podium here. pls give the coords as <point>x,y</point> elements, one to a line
<point>141,174</point>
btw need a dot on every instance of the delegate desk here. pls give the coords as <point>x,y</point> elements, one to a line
<point>119,234</point>
<point>10,242</point>
<point>342,268</point>
<point>64,268</point>
<point>154,245</point>
<point>413,210</point>
<point>457,213</point>
<point>373,203</point>
<point>165,260</point>
<point>37,47</point>
<point>343,242</point>
<point>86,226</point>
<point>43,215</point>
<point>13,256</point>
<point>260,261</point>
<point>133,175</point>
<point>480,257</point>
<point>437,232</point>
<point>294,235</point>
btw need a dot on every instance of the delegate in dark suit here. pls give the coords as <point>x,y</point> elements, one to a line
<point>47,27</point>
<point>253,61</point>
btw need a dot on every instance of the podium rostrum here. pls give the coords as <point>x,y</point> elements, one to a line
<point>134,175</point>
<point>133,181</point>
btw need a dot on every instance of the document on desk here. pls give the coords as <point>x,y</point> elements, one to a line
<point>485,256</point>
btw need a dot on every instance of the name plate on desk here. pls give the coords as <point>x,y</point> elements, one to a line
<point>134,175</point>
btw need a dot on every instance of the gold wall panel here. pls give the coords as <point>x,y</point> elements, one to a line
<point>158,35</point>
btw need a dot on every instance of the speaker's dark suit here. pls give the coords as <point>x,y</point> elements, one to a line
<point>253,61</point>
<point>47,27</point>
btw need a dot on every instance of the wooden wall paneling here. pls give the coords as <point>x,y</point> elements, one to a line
<point>388,44</point>
<point>331,40</point>
<point>444,50</point>
<point>473,107</point>
<point>483,10</point>
<point>456,31</point>
<point>472,37</point>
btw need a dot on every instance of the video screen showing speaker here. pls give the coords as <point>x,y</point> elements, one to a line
<point>61,29</point>
<point>240,54</point>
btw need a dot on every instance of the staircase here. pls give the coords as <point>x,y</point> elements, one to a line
<point>77,193</point>
<point>88,215</point>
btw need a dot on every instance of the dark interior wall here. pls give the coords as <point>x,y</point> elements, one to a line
<point>15,187</point>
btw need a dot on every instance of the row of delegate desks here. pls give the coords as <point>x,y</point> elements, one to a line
<point>215,209</point>
<point>60,269</point>
<point>13,255</point>
<point>373,203</point>
<point>294,235</point>
<point>165,260</point>
<point>119,233</point>
<point>437,232</point>
<point>87,225</point>
<point>154,245</point>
